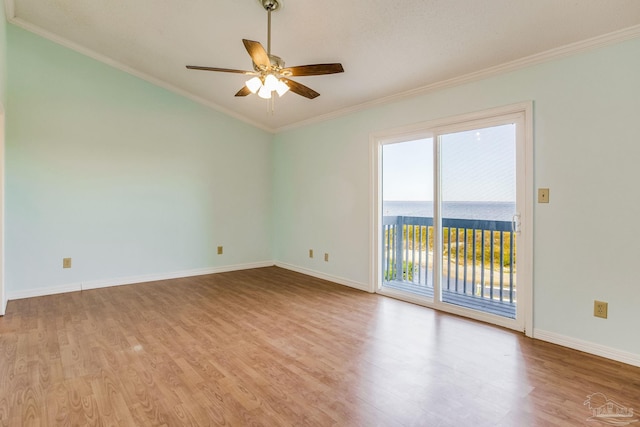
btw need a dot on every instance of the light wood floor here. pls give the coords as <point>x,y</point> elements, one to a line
<point>275,348</point>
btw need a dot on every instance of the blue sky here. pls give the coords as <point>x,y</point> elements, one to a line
<point>477,165</point>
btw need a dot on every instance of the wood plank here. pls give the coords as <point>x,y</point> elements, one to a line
<point>273,347</point>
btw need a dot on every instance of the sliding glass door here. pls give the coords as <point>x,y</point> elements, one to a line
<point>451,208</point>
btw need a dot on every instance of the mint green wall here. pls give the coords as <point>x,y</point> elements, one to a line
<point>586,151</point>
<point>126,178</point>
<point>3,57</point>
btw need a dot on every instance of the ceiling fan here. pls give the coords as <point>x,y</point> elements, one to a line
<point>269,71</point>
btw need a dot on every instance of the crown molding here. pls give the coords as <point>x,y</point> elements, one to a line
<point>528,61</point>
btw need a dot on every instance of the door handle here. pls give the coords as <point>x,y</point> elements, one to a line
<point>515,223</point>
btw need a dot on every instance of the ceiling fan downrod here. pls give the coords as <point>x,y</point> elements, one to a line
<point>269,6</point>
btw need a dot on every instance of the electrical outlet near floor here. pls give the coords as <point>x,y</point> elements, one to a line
<point>66,262</point>
<point>600,309</point>
<point>326,257</point>
<point>310,253</point>
<point>219,250</point>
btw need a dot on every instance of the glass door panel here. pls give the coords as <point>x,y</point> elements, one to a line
<point>407,217</point>
<point>478,213</point>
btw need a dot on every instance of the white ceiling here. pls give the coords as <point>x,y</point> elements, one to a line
<point>388,48</point>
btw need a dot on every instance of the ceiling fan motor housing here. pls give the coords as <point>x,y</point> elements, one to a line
<point>277,64</point>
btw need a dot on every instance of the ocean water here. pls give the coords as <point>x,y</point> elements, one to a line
<point>497,211</point>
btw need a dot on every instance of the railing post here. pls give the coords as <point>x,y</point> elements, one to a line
<point>483,247</point>
<point>449,264</point>
<point>511,265</point>
<point>492,260</point>
<point>502,265</point>
<point>473,262</point>
<point>464,276</point>
<point>399,240</point>
<point>388,238</point>
<point>457,259</point>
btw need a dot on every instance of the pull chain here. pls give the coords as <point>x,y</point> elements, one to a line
<point>271,106</point>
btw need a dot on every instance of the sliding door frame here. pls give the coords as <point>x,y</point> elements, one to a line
<point>524,158</point>
<point>3,300</point>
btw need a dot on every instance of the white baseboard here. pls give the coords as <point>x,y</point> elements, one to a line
<point>131,280</point>
<point>49,290</point>
<point>120,281</point>
<point>323,276</point>
<point>95,284</point>
<point>588,347</point>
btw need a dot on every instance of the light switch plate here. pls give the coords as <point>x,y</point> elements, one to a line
<point>543,195</point>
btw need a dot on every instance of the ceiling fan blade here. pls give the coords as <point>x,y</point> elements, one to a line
<point>300,89</point>
<point>243,92</point>
<point>314,70</point>
<point>257,53</point>
<point>224,70</point>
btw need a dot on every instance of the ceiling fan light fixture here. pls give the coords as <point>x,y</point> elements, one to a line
<point>264,93</point>
<point>254,84</point>
<point>271,82</point>
<point>281,88</point>
<point>269,72</point>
